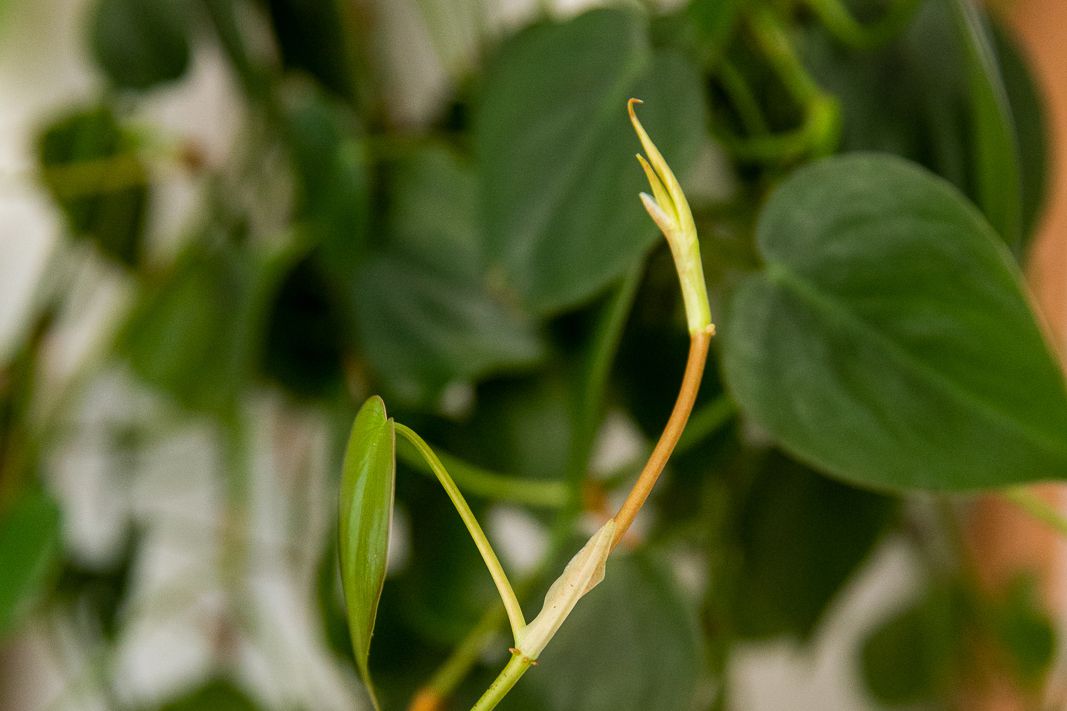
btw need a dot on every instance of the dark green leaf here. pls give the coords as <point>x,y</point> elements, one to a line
<point>1031,130</point>
<point>312,37</point>
<point>89,167</point>
<point>425,316</point>
<point>214,696</point>
<point>141,43</point>
<point>912,656</point>
<point>305,338</point>
<point>195,333</point>
<point>631,645</point>
<point>333,186</point>
<point>888,341</point>
<point>996,154</point>
<point>559,187</point>
<point>29,547</point>
<point>802,536</point>
<point>947,95</point>
<point>1026,631</point>
<point>368,481</point>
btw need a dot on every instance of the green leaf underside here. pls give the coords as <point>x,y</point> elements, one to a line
<point>631,644</point>
<point>889,341</point>
<point>29,545</point>
<point>368,482</point>
<point>559,197</point>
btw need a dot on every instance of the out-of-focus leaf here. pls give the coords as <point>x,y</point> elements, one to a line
<point>631,644</point>
<point>444,589</point>
<point>912,656</point>
<point>216,695</point>
<point>522,426</point>
<point>29,547</point>
<point>936,96</point>
<point>368,481</point>
<point>90,169</point>
<point>141,43</point>
<point>996,154</point>
<point>712,23</point>
<point>558,188</point>
<point>312,38</point>
<point>333,187</point>
<point>802,536</point>
<point>305,337</point>
<point>1031,129</point>
<point>196,332</point>
<point>1026,631</point>
<point>425,316</point>
<point>888,341</point>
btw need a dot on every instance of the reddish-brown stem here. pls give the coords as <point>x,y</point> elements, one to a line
<point>683,406</point>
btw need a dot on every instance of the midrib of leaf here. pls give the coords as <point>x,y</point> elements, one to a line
<point>780,274</point>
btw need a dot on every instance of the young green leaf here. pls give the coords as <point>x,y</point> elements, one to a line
<point>368,481</point>
<point>889,340</point>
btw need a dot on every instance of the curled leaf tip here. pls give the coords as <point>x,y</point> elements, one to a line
<point>670,211</point>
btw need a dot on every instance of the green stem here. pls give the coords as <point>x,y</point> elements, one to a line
<point>1029,501</point>
<point>507,679</point>
<point>482,482</point>
<point>500,578</point>
<point>836,18</point>
<point>819,131</point>
<point>593,377</point>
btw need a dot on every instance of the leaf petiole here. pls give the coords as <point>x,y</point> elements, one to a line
<point>500,578</point>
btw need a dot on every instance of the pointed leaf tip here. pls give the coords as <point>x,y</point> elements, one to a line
<point>368,483</point>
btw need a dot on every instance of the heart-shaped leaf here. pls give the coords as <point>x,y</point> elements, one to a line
<point>557,173</point>
<point>888,340</point>
<point>368,482</point>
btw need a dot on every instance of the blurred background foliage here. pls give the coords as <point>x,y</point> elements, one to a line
<point>476,254</point>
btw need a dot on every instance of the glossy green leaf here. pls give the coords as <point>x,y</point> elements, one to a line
<point>888,340</point>
<point>996,153</point>
<point>631,644</point>
<point>558,178</point>
<point>89,167</point>
<point>216,695</point>
<point>29,547</point>
<point>141,43</point>
<point>426,317</point>
<point>801,537</point>
<point>368,481</point>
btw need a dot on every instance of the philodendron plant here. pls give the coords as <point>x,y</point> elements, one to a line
<point>369,476</point>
